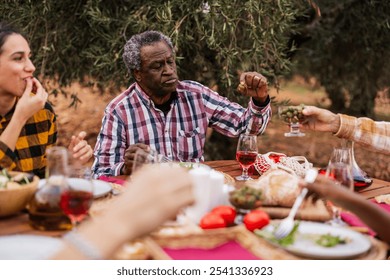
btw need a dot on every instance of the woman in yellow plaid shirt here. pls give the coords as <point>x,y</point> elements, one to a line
<point>27,121</point>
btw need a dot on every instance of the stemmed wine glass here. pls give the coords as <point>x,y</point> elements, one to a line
<point>340,170</point>
<point>246,154</point>
<point>77,197</point>
<point>292,115</point>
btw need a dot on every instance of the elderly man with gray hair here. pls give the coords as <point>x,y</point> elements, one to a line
<point>170,116</point>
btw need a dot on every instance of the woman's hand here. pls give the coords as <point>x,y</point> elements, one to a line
<point>255,85</point>
<point>321,119</point>
<point>153,195</point>
<point>30,102</point>
<point>325,187</point>
<point>79,148</point>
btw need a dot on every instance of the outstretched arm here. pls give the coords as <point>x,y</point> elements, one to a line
<point>151,198</point>
<point>371,214</point>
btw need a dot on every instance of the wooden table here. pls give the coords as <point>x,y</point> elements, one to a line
<point>232,168</point>
<point>19,223</point>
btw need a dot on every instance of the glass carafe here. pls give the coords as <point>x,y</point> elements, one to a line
<point>361,179</point>
<point>45,212</point>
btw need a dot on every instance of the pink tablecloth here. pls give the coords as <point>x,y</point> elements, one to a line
<point>230,250</point>
<point>112,180</point>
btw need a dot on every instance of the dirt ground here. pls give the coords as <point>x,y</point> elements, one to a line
<point>316,147</point>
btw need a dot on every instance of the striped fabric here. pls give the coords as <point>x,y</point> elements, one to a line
<point>39,133</point>
<point>371,134</point>
<point>180,135</point>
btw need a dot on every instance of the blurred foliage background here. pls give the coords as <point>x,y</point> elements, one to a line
<point>343,44</point>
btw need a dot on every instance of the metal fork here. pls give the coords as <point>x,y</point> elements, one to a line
<point>287,224</point>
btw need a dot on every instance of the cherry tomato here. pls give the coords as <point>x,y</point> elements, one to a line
<point>227,213</point>
<point>211,220</point>
<point>256,219</point>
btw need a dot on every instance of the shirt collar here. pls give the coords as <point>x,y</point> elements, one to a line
<point>146,99</point>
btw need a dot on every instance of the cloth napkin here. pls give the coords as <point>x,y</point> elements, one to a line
<point>354,221</point>
<point>112,180</point>
<point>230,250</point>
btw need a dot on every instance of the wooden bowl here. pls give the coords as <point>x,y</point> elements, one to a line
<point>13,200</point>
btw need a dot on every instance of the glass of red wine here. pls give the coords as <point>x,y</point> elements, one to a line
<point>340,170</point>
<point>77,196</point>
<point>246,154</point>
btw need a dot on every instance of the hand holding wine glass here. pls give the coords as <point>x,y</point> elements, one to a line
<point>246,154</point>
<point>77,197</point>
<point>292,115</point>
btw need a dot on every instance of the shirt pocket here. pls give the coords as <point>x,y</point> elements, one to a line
<point>190,145</point>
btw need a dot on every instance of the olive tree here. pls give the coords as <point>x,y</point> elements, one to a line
<point>347,49</point>
<point>82,41</point>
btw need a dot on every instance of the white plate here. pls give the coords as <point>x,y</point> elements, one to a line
<point>100,188</point>
<point>28,247</point>
<point>188,165</point>
<point>303,246</point>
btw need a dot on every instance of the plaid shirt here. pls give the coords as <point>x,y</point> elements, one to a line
<point>366,132</point>
<point>180,135</point>
<point>39,133</point>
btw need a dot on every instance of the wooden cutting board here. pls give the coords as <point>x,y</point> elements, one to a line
<point>308,211</point>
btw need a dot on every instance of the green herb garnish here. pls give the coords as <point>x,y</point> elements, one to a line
<point>328,240</point>
<point>286,241</point>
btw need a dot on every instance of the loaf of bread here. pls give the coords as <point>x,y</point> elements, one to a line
<point>278,187</point>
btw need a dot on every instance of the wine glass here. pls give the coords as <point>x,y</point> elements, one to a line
<point>340,170</point>
<point>77,197</point>
<point>292,115</point>
<point>246,154</point>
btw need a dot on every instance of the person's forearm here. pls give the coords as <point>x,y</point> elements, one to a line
<point>335,123</point>
<point>105,235</point>
<point>11,134</point>
<point>371,214</point>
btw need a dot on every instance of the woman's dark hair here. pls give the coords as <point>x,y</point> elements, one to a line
<point>5,31</point>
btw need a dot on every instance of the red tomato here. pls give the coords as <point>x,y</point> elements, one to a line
<point>211,220</point>
<point>256,219</point>
<point>227,213</point>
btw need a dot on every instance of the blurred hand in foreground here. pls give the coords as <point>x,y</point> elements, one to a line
<point>79,148</point>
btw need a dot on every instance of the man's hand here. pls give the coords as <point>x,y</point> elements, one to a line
<point>255,85</point>
<point>79,148</point>
<point>130,155</point>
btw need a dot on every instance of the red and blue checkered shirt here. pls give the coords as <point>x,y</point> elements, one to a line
<point>180,134</point>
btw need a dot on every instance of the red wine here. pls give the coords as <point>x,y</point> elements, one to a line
<point>76,203</point>
<point>45,212</point>
<point>246,159</point>
<point>361,179</point>
<point>361,182</point>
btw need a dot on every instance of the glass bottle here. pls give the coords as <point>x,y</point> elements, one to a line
<point>45,212</point>
<point>361,179</point>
